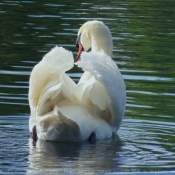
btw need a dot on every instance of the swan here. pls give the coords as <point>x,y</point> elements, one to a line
<point>62,110</point>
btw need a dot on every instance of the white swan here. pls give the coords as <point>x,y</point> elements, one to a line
<point>64,111</point>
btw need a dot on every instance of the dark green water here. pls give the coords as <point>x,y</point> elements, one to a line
<point>144,50</point>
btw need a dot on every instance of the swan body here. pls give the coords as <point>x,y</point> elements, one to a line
<point>64,111</point>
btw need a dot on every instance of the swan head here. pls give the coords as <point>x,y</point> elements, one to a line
<point>94,36</point>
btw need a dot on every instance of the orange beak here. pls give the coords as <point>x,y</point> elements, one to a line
<point>80,49</point>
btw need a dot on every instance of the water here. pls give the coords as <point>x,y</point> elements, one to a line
<point>144,40</point>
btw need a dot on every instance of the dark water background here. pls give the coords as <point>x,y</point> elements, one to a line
<point>144,50</point>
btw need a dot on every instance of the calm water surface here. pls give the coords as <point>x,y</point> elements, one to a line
<point>144,50</point>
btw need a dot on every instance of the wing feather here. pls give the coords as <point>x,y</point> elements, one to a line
<point>106,72</point>
<point>49,82</point>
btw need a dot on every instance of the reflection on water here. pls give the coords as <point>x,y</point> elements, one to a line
<point>78,156</point>
<point>144,39</point>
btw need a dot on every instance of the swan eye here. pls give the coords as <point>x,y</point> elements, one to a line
<point>78,41</point>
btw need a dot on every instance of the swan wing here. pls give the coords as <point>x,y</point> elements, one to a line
<point>91,90</point>
<point>54,93</point>
<point>109,87</point>
<point>48,82</point>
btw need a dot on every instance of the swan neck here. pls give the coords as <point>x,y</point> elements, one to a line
<point>102,42</point>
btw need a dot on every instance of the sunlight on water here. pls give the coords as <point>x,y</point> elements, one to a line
<point>143,35</point>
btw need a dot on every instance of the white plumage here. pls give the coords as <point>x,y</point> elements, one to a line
<point>62,110</point>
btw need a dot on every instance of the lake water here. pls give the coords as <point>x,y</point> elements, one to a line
<point>144,50</point>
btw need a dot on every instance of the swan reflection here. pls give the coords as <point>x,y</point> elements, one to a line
<point>71,156</point>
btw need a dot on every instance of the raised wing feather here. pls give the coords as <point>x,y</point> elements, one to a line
<point>48,80</point>
<point>105,71</point>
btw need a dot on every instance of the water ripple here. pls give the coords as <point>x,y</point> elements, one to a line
<point>143,50</point>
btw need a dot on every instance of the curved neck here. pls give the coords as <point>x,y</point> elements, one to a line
<point>102,41</point>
